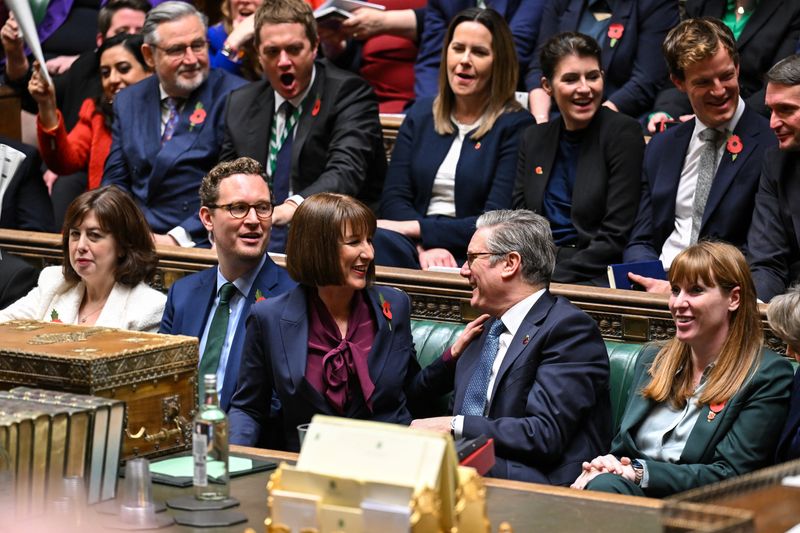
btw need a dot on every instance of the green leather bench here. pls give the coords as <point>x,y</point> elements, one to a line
<point>431,338</point>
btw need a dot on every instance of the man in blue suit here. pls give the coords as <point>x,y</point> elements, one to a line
<point>523,18</point>
<point>704,63</point>
<point>237,212</point>
<point>167,130</point>
<point>537,379</point>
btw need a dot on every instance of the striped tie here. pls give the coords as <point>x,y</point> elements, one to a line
<point>275,140</point>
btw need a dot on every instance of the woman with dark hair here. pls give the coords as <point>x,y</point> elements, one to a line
<point>86,146</point>
<point>456,154</point>
<point>709,404</point>
<point>108,255</point>
<point>334,345</point>
<point>582,172</point>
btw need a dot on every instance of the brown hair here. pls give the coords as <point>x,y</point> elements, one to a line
<point>209,186</point>
<point>695,40</point>
<point>286,12</point>
<point>504,76</point>
<point>118,215</point>
<point>315,235</point>
<point>720,265</point>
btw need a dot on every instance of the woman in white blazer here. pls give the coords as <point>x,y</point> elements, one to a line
<point>108,257</point>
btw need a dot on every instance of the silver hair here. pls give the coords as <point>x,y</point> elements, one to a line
<point>167,12</point>
<point>526,233</point>
<point>786,71</point>
<point>783,314</point>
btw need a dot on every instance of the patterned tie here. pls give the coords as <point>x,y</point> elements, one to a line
<point>275,141</point>
<point>172,119</point>
<point>216,334</point>
<point>477,388</point>
<point>707,167</point>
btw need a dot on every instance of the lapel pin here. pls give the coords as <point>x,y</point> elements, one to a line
<point>317,105</point>
<point>538,170</point>
<point>526,339</point>
<point>714,409</point>
<point>478,145</point>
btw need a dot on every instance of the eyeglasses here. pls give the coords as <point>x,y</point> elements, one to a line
<point>241,209</point>
<point>178,51</point>
<point>472,256</point>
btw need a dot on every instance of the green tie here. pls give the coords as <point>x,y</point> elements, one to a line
<point>216,335</point>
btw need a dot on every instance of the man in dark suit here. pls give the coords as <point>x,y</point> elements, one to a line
<point>680,167</point>
<point>167,130</point>
<point>773,243</point>
<point>537,379</point>
<point>17,277</point>
<point>236,211</point>
<point>313,126</point>
<point>24,202</point>
<point>523,17</point>
<point>769,34</point>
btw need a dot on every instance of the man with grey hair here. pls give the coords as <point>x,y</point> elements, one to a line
<point>167,129</point>
<point>537,378</point>
<point>773,242</point>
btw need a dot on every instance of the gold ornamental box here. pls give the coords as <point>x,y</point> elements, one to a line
<point>156,375</point>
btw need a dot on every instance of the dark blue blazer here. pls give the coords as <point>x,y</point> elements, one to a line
<point>484,175</point>
<point>164,180</point>
<point>550,408</point>
<point>634,68</point>
<point>773,243</point>
<point>730,201</point>
<point>190,300</point>
<point>523,17</point>
<point>274,360</point>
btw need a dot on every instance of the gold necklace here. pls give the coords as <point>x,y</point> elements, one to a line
<point>87,315</point>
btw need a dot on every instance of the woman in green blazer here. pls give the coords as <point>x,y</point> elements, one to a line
<point>709,404</point>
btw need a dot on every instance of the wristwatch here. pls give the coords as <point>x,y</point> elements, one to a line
<point>638,470</point>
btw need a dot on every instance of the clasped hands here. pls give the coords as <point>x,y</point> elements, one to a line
<point>604,464</point>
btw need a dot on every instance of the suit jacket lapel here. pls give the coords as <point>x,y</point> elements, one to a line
<point>767,10</point>
<point>665,190</point>
<point>636,411</point>
<point>113,313</point>
<point>621,15</point>
<point>309,116</point>
<point>204,291</point>
<point>547,148</point>
<point>728,168</point>
<point>261,109</point>
<point>381,345</point>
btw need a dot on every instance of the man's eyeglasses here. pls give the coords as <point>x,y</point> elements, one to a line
<point>178,51</point>
<point>472,256</point>
<point>241,209</point>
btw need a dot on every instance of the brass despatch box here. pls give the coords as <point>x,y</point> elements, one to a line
<point>156,375</point>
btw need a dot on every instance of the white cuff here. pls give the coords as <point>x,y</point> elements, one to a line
<point>296,198</point>
<point>181,236</point>
<point>458,426</point>
<point>645,475</point>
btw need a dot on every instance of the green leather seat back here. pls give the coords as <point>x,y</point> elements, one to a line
<point>622,359</point>
<point>431,339</point>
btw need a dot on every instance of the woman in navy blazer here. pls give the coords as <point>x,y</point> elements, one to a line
<point>334,345</point>
<point>455,155</point>
<point>582,171</point>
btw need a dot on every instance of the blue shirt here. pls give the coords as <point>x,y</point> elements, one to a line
<point>557,201</point>
<point>589,25</point>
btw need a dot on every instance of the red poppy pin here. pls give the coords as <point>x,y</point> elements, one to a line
<point>734,146</point>
<point>260,296</point>
<point>317,105</point>
<point>386,307</point>
<point>478,145</point>
<point>538,170</point>
<point>198,117</point>
<point>526,340</point>
<point>54,316</point>
<point>714,409</point>
<point>615,32</point>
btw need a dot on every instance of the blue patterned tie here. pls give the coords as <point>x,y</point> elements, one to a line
<point>477,388</point>
<point>172,119</point>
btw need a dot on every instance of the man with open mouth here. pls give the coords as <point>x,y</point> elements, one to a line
<point>700,177</point>
<point>313,126</point>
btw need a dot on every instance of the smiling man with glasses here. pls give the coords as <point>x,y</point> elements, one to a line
<point>532,373</point>
<point>167,130</point>
<point>237,213</point>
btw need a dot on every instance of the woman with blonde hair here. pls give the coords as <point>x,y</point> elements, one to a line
<point>709,404</point>
<point>455,155</point>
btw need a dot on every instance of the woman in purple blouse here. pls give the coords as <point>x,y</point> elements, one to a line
<point>335,345</point>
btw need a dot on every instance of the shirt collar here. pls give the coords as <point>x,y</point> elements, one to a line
<point>513,318</point>
<point>297,100</point>
<point>244,283</point>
